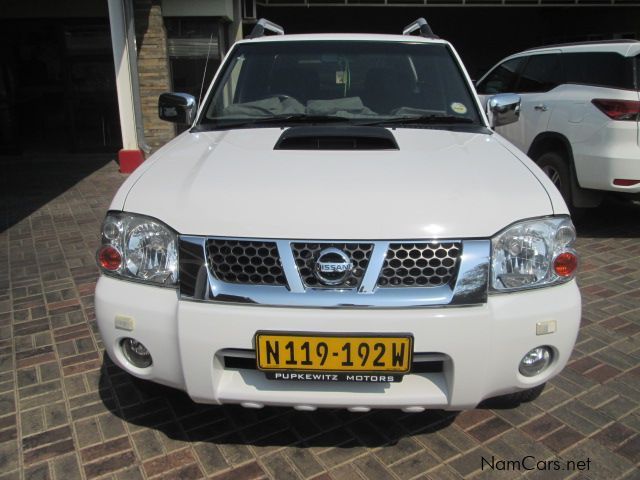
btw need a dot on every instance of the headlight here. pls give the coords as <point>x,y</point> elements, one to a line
<point>140,248</point>
<point>533,253</point>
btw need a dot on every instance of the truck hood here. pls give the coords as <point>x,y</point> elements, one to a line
<point>439,184</point>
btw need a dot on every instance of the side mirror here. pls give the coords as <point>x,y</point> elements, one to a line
<point>177,108</point>
<point>503,109</point>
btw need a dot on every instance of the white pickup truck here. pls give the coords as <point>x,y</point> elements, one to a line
<point>340,226</point>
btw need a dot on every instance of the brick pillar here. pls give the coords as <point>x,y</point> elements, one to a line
<point>153,69</point>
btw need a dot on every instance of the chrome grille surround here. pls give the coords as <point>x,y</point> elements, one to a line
<point>246,262</point>
<point>469,287</point>
<point>420,264</point>
<point>306,255</point>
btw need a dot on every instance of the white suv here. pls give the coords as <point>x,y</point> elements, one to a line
<point>579,117</point>
<point>340,227</point>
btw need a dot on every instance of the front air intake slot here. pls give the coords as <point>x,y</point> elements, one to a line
<point>336,138</point>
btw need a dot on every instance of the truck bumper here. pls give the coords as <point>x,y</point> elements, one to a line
<point>480,347</point>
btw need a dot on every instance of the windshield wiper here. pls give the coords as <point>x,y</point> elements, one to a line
<point>421,120</point>
<point>282,119</point>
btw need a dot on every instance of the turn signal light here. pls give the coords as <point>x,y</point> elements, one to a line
<point>618,109</point>
<point>109,258</point>
<point>565,264</point>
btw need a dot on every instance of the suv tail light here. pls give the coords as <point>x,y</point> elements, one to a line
<point>618,109</point>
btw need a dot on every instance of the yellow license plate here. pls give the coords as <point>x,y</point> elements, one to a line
<point>333,353</point>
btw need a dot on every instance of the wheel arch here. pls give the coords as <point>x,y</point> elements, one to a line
<point>552,141</point>
<point>557,142</point>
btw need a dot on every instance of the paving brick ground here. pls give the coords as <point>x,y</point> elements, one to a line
<point>66,412</point>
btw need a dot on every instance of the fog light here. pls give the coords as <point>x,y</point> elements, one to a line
<point>535,361</point>
<point>136,353</point>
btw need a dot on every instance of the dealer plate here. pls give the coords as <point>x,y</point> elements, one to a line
<point>299,352</point>
<point>357,377</point>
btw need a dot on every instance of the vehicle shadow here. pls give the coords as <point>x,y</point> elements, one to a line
<point>31,181</point>
<point>174,414</point>
<point>615,218</point>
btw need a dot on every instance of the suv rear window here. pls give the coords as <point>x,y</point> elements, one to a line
<point>602,69</point>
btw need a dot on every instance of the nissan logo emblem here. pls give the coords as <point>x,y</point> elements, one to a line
<point>333,266</point>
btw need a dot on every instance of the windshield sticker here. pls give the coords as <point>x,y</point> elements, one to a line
<point>458,108</point>
<point>341,78</point>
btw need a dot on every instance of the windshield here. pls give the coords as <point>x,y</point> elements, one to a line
<point>358,82</point>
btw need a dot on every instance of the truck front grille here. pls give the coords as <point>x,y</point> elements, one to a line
<point>420,264</point>
<point>245,261</point>
<point>334,274</point>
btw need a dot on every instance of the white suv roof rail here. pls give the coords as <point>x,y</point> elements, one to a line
<point>265,25</point>
<point>586,42</point>
<point>422,25</point>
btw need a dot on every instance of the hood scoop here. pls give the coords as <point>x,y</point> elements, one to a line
<point>336,138</point>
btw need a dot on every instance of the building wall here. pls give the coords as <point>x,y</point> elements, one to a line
<point>153,70</point>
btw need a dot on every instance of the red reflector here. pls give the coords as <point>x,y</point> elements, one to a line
<point>565,264</point>
<point>109,258</point>
<point>618,109</point>
<point>625,182</point>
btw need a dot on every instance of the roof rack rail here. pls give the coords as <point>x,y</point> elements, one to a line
<point>264,25</point>
<point>585,42</point>
<point>422,25</point>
